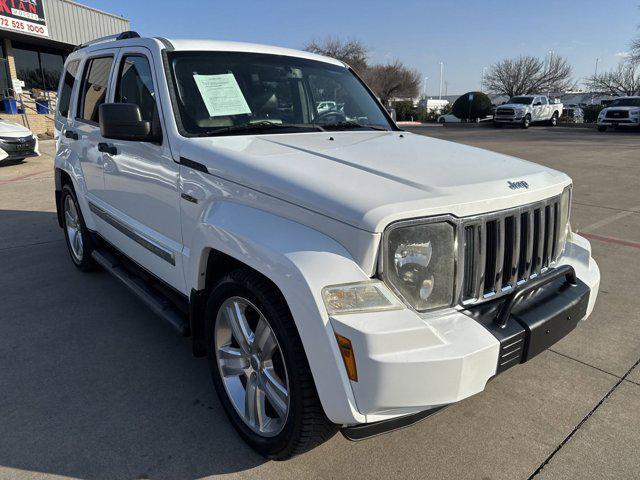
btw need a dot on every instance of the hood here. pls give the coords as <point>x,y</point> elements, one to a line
<point>370,179</point>
<point>623,109</point>
<point>514,105</point>
<point>12,129</point>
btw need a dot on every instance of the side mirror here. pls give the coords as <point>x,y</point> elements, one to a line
<point>123,121</point>
<point>537,104</point>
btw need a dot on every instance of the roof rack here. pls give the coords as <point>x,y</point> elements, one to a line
<point>108,38</point>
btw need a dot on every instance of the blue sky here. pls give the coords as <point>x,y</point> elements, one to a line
<point>465,35</point>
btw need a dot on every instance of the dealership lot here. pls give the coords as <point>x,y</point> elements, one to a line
<point>94,386</point>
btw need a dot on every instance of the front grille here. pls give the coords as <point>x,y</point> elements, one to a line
<point>617,114</point>
<point>507,248</point>
<point>15,145</point>
<point>505,111</point>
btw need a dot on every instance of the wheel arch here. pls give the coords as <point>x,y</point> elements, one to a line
<point>298,261</point>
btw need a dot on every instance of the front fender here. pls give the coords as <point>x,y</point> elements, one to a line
<point>300,261</point>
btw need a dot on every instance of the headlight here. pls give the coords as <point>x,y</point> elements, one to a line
<point>371,296</point>
<point>419,264</point>
<point>565,207</point>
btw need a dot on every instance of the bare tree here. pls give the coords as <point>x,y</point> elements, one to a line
<point>635,50</point>
<point>622,81</point>
<point>353,52</point>
<point>528,74</point>
<point>391,80</point>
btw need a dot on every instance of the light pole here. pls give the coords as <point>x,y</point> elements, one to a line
<point>595,74</point>
<point>441,69</point>
<point>425,87</point>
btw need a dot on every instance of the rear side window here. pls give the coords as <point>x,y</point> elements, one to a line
<point>94,88</point>
<point>135,85</point>
<point>67,86</point>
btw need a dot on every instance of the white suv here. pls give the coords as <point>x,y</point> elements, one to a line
<point>337,272</point>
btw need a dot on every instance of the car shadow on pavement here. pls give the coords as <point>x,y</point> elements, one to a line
<point>94,385</point>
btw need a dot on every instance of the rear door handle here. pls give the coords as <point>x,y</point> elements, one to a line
<point>71,134</point>
<point>107,148</point>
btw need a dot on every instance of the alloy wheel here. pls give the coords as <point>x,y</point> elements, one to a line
<point>72,225</point>
<point>251,366</point>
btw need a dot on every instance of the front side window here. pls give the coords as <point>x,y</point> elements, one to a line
<point>67,86</point>
<point>239,93</point>
<point>135,85</point>
<point>94,88</point>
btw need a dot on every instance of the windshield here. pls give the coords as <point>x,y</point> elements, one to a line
<point>625,102</point>
<point>238,93</point>
<point>521,100</point>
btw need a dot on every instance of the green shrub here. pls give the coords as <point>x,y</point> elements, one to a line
<point>591,113</point>
<point>466,109</point>
<point>404,111</point>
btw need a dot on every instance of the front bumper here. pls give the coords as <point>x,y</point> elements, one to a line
<point>12,149</point>
<point>409,363</point>
<point>508,119</point>
<point>623,122</point>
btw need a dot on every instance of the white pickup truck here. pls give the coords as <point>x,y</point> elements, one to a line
<point>527,109</point>
<point>337,272</point>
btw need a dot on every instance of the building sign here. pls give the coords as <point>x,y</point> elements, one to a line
<point>25,16</point>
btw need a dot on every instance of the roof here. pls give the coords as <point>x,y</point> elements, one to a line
<point>224,46</point>
<point>215,46</point>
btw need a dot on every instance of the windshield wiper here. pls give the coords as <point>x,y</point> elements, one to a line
<point>350,125</point>
<point>261,125</point>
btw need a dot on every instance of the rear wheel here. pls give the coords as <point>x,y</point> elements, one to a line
<point>260,370</point>
<point>77,236</point>
<point>553,121</point>
<point>526,121</point>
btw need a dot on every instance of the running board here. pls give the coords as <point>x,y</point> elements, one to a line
<point>154,300</point>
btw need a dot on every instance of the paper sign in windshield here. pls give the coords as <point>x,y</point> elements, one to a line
<point>221,94</point>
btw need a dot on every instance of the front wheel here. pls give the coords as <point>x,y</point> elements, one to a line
<point>260,370</point>
<point>526,122</point>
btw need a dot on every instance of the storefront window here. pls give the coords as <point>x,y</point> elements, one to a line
<point>38,67</point>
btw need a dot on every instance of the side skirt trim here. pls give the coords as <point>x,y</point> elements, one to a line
<point>153,247</point>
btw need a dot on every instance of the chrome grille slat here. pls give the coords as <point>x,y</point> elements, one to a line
<point>499,246</point>
<point>506,248</point>
<point>480,255</point>
<point>515,250</point>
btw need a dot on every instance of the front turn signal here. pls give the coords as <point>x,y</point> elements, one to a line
<point>349,359</point>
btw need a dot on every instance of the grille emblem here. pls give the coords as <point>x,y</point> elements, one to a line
<point>517,185</point>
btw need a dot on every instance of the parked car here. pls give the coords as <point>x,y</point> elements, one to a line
<point>451,118</point>
<point>338,273</point>
<point>621,112</point>
<point>572,113</point>
<point>448,118</point>
<point>527,109</point>
<point>16,142</point>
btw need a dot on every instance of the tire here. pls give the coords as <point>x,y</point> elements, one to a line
<point>442,120</point>
<point>553,121</point>
<point>526,121</point>
<point>602,128</point>
<point>76,231</point>
<point>299,424</point>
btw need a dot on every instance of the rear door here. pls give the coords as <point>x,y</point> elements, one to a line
<point>84,131</point>
<point>141,178</point>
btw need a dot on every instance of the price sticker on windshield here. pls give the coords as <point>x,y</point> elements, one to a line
<point>221,95</point>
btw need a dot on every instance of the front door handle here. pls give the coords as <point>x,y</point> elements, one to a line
<point>107,148</point>
<point>71,134</point>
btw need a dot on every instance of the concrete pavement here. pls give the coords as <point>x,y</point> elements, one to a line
<point>94,386</point>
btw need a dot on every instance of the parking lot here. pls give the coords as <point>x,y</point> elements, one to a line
<point>94,386</point>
